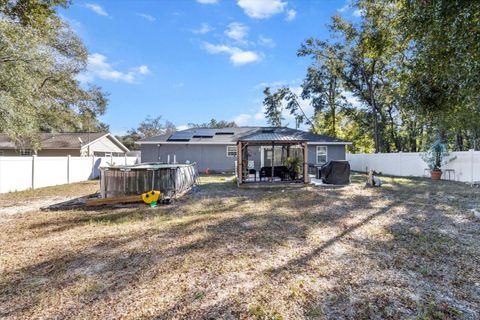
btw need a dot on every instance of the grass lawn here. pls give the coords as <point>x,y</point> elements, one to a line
<point>410,249</point>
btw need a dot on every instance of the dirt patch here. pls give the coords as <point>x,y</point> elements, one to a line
<point>8,209</point>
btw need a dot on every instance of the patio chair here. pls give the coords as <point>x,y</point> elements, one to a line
<point>254,172</point>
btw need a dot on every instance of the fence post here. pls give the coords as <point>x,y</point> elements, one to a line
<point>68,169</point>
<point>33,170</point>
<point>472,151</point>
<point>400,163</point>
<point>92,176</point>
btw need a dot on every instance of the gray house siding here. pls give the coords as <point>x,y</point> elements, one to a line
<point>214,157</point>
<point>334,152</point>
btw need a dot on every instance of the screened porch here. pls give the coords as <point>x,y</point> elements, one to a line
<point>272,161</point>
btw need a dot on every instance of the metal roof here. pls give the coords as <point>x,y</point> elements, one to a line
<point>221,136</point>
<point>272,137</point>
<point>274,134</point>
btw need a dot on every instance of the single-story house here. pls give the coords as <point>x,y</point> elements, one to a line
<point>77,144</point>
<point>216,149</point>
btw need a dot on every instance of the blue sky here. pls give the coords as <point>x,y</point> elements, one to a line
<point>193,60</point>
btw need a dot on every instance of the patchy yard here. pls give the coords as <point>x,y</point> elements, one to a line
<point>410,249</point>
<point>32,200</point>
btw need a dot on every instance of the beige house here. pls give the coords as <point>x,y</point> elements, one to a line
<point>75,144</point>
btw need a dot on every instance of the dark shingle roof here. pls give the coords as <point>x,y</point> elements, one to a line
<point>232,135</point>
<point>69,140</point>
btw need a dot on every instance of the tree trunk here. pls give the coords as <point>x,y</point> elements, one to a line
<point>458,141</point>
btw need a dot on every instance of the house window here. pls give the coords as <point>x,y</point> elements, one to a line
<point>231,151</point>
<point>25,152</point>
<point>2,153</point>
<point>321,154</point>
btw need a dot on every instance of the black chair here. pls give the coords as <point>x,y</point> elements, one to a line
<point>278,171</point>
<point>264,173</point>
<point>254,172</point>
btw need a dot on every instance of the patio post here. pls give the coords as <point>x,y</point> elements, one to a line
<point>273,158</point>
<point>305,163</point>
<point>239,163</point>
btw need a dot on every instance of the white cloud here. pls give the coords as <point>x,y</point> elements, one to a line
<point>147,17</point>
<point>260,115</point>
<point>99,67</point>
<point>261,9</point>
<point>291,14</point>
<point>143,69</point>
<point>266,42</point>
<point>207,1</point>
<point>237,56</point>
<point>204,28</point>
<point>182,127</point>
<point>348,7</point>
<point>237,31</point>
<point>344,8</point>
<point>242,119</point>
<point>358,12</point>
<point>97,9</point>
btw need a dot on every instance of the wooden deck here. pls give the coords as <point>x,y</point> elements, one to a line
<point>276,184</point>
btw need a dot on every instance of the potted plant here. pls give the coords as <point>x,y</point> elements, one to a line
<point>294,165</point>
<point>435,157</point>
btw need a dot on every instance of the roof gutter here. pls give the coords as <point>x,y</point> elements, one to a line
<point>234,143</point>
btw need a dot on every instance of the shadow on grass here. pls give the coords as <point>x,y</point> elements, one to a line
<point>228,225</point>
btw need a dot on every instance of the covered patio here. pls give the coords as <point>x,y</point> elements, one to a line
<point>272,158</point>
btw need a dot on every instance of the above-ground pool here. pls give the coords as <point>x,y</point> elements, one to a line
<point>172,180</point>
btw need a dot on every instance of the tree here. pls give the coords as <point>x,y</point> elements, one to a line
<point>323,86</point>
<point>40,59</point>
<point>130,138</point>
<point>149,127</point>
<point>273,103</point>
<point>284,99</point>
<point>170,127</point>
<point>366,56</point>
<point>445,51</point>
<point>33,13</point>
<point>412,66</point>
<point>215,124</point>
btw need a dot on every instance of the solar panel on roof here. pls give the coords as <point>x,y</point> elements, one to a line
<point>204,133</point>
<point>181,136</point>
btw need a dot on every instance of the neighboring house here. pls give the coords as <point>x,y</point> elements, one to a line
<point>134,153</point>
<point>98,144</point>
<point>216,149</point>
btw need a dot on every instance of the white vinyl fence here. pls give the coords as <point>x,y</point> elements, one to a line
<point>466,164</point>
<point>21,173</point>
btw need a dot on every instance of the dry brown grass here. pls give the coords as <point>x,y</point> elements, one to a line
<point>410,249</point>
<point>64,190</point>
